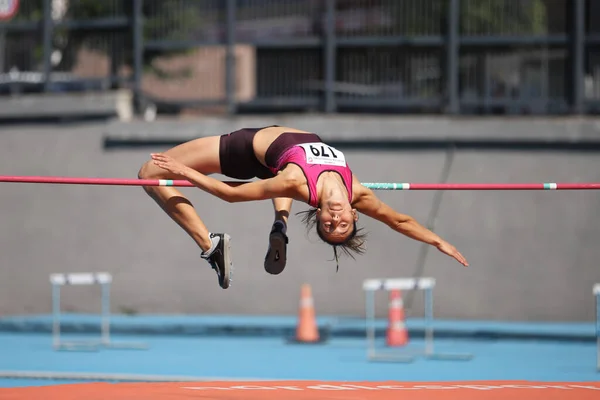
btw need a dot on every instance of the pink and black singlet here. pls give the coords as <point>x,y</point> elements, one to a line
<point>313,156</point>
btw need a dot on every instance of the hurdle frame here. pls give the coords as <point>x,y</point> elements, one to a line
<point>597,298</point>
<point>104,280</point>
<point>424,284</point>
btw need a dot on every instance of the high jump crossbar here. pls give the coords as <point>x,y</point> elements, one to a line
<point>374,186</point>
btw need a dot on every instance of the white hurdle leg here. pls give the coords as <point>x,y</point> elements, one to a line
<point>105,329</point>
<point>56,316</point>
<point>104,280</point>
<point>424,284</point>
<point>106,338</point>
<point>371,287</point>
<point>370,322</point>
<point>597,298</point>
<point>428,300</point>
<point>73,279</point>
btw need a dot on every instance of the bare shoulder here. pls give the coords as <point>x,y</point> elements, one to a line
<point>363,198</point>
<point>292,183</point>
<point>283,181</point>
<point>367,203</point>
<point>359,191</point>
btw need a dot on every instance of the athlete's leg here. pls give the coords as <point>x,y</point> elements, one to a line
<point>276,257</point>
<point>202,155</point>
<point>282,207</point>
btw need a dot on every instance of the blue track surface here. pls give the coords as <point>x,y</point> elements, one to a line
<point>205,350</point>
<point>282,325</point>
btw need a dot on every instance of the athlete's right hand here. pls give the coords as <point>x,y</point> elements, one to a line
<point>451,251</point>
<point>167,163</point>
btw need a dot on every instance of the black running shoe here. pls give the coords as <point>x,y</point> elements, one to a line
<point>220,258</point>
<point>276,254</point>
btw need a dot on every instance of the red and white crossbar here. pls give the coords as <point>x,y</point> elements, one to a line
<point>375,186</point>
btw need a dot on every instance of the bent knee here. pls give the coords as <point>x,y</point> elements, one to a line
<point>149,171</point>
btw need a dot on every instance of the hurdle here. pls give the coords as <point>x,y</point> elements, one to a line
<point>104,280</point>
<point>426,285</point>
<point>597,298</point>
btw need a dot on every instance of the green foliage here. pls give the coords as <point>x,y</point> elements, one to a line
<point>477,17</point>
<point>163,20</point>
<point>183,20</point>
<point>29,11</point>
<point>503,17</point>
<point>129,311</point>
<point>172,19</point>
<point>420,17</point>
<point>91,9</point>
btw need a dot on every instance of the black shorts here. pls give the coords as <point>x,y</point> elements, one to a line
<point>237,158</point>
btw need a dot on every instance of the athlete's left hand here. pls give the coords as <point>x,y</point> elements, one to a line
<point>450,250</point>
<point>167,163</point>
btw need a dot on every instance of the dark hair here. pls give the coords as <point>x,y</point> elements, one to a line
<point>354,243</point>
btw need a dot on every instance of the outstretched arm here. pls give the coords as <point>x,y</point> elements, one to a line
<point>369,204</point>
<point>250,191</point>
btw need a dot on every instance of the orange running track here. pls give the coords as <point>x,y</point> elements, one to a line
<point>391,390</point>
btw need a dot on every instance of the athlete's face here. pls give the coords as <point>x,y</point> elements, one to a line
<point>336,221</point>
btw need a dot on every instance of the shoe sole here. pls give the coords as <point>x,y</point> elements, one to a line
<point>228,273</point>
<point>277,243</point>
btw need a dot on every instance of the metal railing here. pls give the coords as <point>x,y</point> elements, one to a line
<point>441,56</point>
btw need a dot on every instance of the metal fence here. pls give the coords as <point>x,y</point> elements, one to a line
<point>400,56</point>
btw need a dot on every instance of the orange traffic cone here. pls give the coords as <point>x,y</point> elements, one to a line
<point>306,330</point>
<point>397,334</point>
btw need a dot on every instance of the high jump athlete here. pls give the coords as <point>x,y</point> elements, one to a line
<point>291,164</point>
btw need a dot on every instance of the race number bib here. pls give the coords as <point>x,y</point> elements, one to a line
<point>320,153</point>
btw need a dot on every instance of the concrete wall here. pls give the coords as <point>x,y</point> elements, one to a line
<point>533,255</point>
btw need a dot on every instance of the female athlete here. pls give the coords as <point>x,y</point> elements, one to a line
<point>291,165</point>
